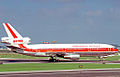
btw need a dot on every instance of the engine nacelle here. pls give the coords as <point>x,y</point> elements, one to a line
<point>72,56</point>
<point>7,40</point>
<point>41,54</point>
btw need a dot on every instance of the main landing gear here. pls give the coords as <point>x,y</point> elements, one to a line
<point>53,59</point>
<point>101,58</point>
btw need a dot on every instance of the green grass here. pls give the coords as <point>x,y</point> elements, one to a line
<point>53,66</point>
<point>113,58</point>
<point>20,56</point>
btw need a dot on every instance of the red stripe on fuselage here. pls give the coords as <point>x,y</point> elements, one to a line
<point>11,31</point>
<point>72,50</point>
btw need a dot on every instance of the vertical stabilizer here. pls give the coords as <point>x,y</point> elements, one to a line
<point>12,33</point>
<point>14,38</point>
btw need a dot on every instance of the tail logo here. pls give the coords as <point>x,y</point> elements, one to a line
<point>12,33</point>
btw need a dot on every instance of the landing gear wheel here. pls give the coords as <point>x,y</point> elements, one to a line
<point>53,59</point>
<point>101,58</point>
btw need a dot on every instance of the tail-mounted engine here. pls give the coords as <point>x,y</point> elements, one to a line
<point>7,40</point>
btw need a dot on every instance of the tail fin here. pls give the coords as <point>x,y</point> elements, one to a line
<point>14,38</point>
<point>12,33</point>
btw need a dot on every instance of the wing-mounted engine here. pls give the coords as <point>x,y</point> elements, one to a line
<point>7,40</point>
<point>72,56</point>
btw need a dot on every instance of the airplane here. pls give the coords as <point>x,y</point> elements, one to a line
<point>21,45</point>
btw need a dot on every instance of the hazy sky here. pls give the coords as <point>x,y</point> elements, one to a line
<point>68,21</point>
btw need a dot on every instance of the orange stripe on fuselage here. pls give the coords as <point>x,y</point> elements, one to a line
<point>11,31</point>
<point>21,46</point>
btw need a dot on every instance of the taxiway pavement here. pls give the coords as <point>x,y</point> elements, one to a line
<point>66,73</point>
